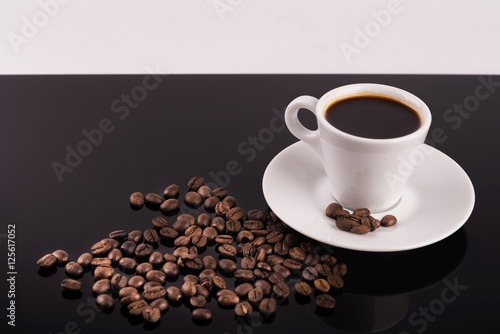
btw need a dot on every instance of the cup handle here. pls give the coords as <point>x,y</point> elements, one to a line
<point>310,137</point>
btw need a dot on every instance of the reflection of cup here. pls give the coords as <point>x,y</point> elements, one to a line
<point>361,171</point>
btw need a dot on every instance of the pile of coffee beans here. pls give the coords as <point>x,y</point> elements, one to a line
<point>360,221</point>
<point>207,252</point>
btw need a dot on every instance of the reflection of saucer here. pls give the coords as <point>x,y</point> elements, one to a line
<point>437,201</point>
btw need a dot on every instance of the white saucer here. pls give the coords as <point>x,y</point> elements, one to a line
<point>437,201</point>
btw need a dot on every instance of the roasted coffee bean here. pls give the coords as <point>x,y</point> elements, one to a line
<point>156,258</point>
<point>193,230</point>
<point>135,308</point>
<point>118,281</point>
<point>309,273</point>
<point>242,289</point>
<point>100,261</point>
<point>209,262</point>
<point>135,236</point>
<point>325,301</point>
<point>253,224</point>
<point>228,300</point>
<point>244,275</point>
<point>105,301</point>
<point>180,225</point>
<point>227,266</point>
<point>71,268</point>
<point>248,249</point>
<point>311,259</point>
<point>194,264</point>
<point>335,281</point>
<point>195,183</point>
<point>155,292</point>
<point>282,270</point>
<point>101,272</point>
<point>188,289</point>
<point>220,192</point>
<point>197,301</point>
<point>297,253</point>
<point>290,239</point>
<point>193,199</point>
<point>150,236</point>
<point>261,274</point>
<point>62,256</point>
<point>169,257</point>
<point>199,241</point>
<point>292,264</point>
<point>374,223</point>
<point>219,282</point>
<point>274,237</point>
<point>331,208</point>
<point>153,199</point>
<point>341,213</point>
<point>47,261</point>
<point>150,284</point>
<point>101,248</point>
<point>328,260</point>
<point>186,216</point>
<point>308,247</point>
<point>136,281</point>
<point>169,233</point>
<point>117,234</point>
<point>204,191</point>
<point>274,259</point>
<point>137,199</point>
<point>210,203</point>
<point>171,269</point>
<point>268,249</point>
<point>219,224</point>
<point>340,269</point>
<point>127,300</point>
<point>182,241</point>
<point>156,276</point>
<point>84,260</point>
<point>361,212</point>
<point>159,222</point>
<point>275,278</point>
<point>360,229</point>
<point>248,262</point>
<point>202,314</point>
<point>281,248</point>
<point>143,268</point>
<point>172,191</point>
<point>69,284</point>
<point>256,214</point>
<point>344,223</point>
<point>260,233</point>
<point>128,247</point>
<point>101,286</point>
<point>388,220</point>
<point>151,314</point>
<point>267,306</point>
<point>260,255</point>
<point>170,205</point>
<point>202,291</point>
<point>143,250</point>
<point>264,266</point>
<point>323,269</point>
<point>227,250</point>
<point>193,278</point>
<point>235,213</point>
<point>243,309</point>
<point>115,255</point>
<point>281,290</point>
<point>244,236</point>
<point>210,233</point>
<point>203,220</point>
<point>127,263</point>
<point>255,295</point>
<point>321,285</point>
<point>233,226</point>
<point>222,208</point>
<point>180,251</point>
<point>264,285</point>
<point>224,239</point>
<point>160,303</point>
<point>303,289</point>
<point>127,291</point>
<point>174,294</point>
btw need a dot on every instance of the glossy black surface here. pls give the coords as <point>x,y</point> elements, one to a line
<point>211,125</point>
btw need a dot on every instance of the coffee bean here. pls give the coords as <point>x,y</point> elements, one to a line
<point>309,273</point>
<point>118,281</point>
<point>172,191</point>
<point>222,208</point>
<point>335,281</point>
<point>219,224</point>
<point>101,248</point>
<point>150,236</point>
<point>203,220</point>
<point>103,272</point>
<point>234,213</point>
<point>180,225</point>
<point>69,284</point>
<point>127,291</point>
<point>321,285</point>
<point>199,241</point>
<point>180,251</point>
<point>268,249</point>
<point>374,223</point>
<point>151,314</point>
<point>127,264</point>
<point>182,241</point>
<point>340,269</point>
<point>117,234</point>
<point>220,192</point>
<point>194,264</point>
<point>135,308</point>
<point>202,314</point>
<point>244,275</point>
<point>171,269</point>
<point>341,213</point>
<point>127,300</point>
<point>248,249</point>
<point>360,229</point>
<point>227,266</point>
<point>256,214</point>
<point>248,262</point>
<point>159,222</point>
<point>156,258</point>
<point>219,282</point>
<point>128,247</point>
<point>155,292</point>
<point>156,276</point>
<point>137,199</point>
<point>290,239</point>
<point>230,200</point>
<point>328,260</point>
<point>274,259</point>
<point>297,253</point>
<point>101,261</point>
<point>202,291</point>
<point>143,250</point>
<point>197,301</point>
<point>325,301</point>
<point>233,226</point>
<point>264,266</point>
<point>160,303</point>
<point>105,301</point>
<point>168,257</point>
<point>204,191</point>
<point>193,199</point>
<point>47,261</point>
<point>136,281</point>
<point>331,208</point>
<point>143,268</point>
<point>303,289</point>
<point>261,274</point>
<point>253,224</point>
<point>209,262</point>
<point>150,284</point>
<point>242,289</point>
<point>255,295</point>
<point>195,183</point>
<point>228,300</point>
<point>292,264</point>
<point>361,212</point>
<point>275,278</point>
<point>62,256</point>
<point>84,260</point>
<point>114,255</point>
<point>281,290</point>
<point>274,237</point>
<point>227,250</point>
<point>260,233</point>
<point>101,286</point>
<point>267,306</point>
<point>243,309</point>
<point>153,199</point>
<point>265,286</point>
<point>244,236</point>
<point>210,203</point>
<point>188,289</point>
<point>169,233</point>
<point>224,239</point>
<point>135,236</point>
<point>170,205</point>
<point>260,255</point>
<point>282,270</point>
<point>72,268</point>
<point>174,294</point>
<point>388,220</point>
<point>323,269</point>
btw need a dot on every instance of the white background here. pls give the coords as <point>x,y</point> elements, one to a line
<point>249,36</point>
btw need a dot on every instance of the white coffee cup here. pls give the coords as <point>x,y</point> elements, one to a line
<point>363,172</point>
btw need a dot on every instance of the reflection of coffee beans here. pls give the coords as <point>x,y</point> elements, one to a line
<point>256,251</point>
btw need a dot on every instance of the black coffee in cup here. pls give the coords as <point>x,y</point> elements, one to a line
<point>373,117</point>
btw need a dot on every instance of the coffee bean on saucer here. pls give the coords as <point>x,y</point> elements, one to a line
<point>331,208</point>
<point>137,199</point>
<point>388,220</point>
